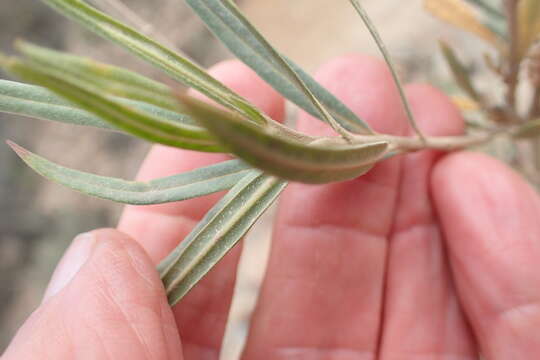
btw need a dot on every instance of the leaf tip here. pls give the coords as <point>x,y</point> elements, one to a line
<point>8,63</point>
<point>19,150</point>
<point>4,60</point>
<point>22,45</point>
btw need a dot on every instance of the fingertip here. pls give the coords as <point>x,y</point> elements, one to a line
<point>244,81</point>
<point>341,68</point>
<point>115,247</point>
<point>111,235</point>
<point>93,254</point>
<point>434,111</point>
<point>460,171</point>
<point>454,162</point>
<point>116,291</point>
<point>489,216</point>
<point>365,85</point>
<point>479,197</point>
<point>116,240</point>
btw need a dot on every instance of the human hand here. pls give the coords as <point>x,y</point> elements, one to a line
<point>424,257</point>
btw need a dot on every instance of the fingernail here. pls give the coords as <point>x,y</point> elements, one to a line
<point>74,258</point>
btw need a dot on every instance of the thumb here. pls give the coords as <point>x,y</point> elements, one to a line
<point>105,301</point>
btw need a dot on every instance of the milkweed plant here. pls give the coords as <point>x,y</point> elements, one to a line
<point>79,91</point>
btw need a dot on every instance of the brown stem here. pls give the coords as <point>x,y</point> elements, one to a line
<point>526,152</point>
<point>534,146</point>
<point>512,71</point>
<point>445,143</point>
<point>534,110</point>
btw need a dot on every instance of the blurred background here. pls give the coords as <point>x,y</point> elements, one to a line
<point>39,219</point>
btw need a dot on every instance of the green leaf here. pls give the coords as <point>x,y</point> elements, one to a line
<point>222,227</point>
<point>225,20</point>
<point>464,16</point>
<point>136,122</point>
<point>41,103</point>
<point>493,18</point>
<point>459,71</point>
<point>488,9</point>
<point>172,63</point>
<point>37,102</point>
<point>382,48</point>
<point>322,161</point>
<point>110,79</point>
<point>192,184</point>
<point>158,111</point>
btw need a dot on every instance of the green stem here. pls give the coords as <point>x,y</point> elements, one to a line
<point>382,48</point>
<point>402,144</point>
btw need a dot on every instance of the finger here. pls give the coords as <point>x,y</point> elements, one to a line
<point>422,317</point>
<point>105,301</point>
<point>202,314</point>
<point>490,219</point>
<point>321,298</point>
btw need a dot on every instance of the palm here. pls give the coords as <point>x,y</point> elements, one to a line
<point>367,266</point>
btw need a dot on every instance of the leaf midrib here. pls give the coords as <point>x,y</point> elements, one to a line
<point>228,227</point>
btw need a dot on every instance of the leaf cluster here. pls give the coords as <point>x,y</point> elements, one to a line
<point>80,91</point>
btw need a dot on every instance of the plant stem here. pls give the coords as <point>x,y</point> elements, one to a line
<point>382,48</point>
<point>534,110</point>
<point>512,74</point>
<point>344,133</point>
<point>445,143</point>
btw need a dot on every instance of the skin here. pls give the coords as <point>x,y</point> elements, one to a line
<point>429,256</point>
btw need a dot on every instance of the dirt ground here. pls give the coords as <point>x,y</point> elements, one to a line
<point>38,219</point>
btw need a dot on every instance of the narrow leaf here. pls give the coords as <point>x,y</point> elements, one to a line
<point>459,71</point>
<point>322,161</point>
<point>282,66</point>
<point>225,20</point>
<point>222,227</point>
<point>460,14</point>
<point>37,102</point>
<point>488,9</point>
<point>382,47</point>
<point>167,60</point>
<point>136,122</point>
<point>494,19</point>
<point>41,103</point>
<point>192,184</point>
<point>110,79</point>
